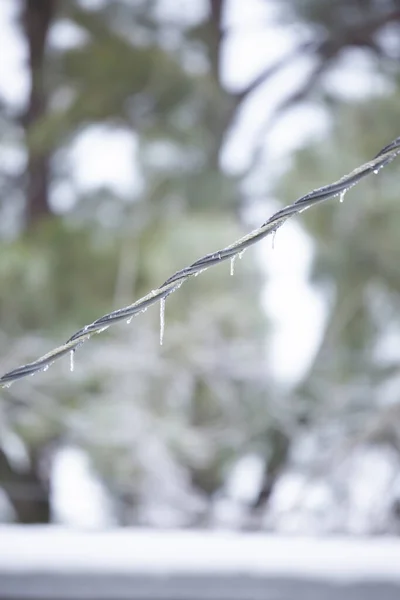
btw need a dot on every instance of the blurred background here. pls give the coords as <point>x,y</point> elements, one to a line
<point>136,136</point>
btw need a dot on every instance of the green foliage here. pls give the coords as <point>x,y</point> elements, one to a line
<point>187,402</point>
<point>166,424</point>
<point>355,266</point>
<point>49,267</point>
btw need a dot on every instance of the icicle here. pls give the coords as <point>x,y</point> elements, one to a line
<point>199,272</point>
<point>103,329</point>
<point>162,320</point>
<point>7,385</point>
<point>273,239</point>
<point>233,264</point>
<point>129,320</point>
<point>241,253</point>
<point>46,368</point>
<point>342,195</point>
<point>71,360</point>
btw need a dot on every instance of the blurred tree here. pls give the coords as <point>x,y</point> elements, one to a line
<point>166,427</point>
<point>326,30</point>
<point>189,403</point>
<point>352,384</point>
<point>37,19</point>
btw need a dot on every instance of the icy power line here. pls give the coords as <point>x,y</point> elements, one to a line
<point>338,188</point>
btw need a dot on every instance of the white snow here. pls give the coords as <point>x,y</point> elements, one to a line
<point>245,479</point>
<point>77,498</point>
<point>148,551</point>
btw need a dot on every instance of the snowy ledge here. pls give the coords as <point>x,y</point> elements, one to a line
<point>51,562</point>
<point>142,551</point>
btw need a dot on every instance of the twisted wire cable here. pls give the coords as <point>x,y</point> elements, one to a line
<point>337,188</point>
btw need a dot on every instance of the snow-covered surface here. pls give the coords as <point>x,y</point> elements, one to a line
<point>139,552</point>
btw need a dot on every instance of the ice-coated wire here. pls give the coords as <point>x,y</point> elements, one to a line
<point>337,188</point>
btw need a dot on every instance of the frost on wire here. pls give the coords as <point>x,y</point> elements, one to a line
<point>337,188</point>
